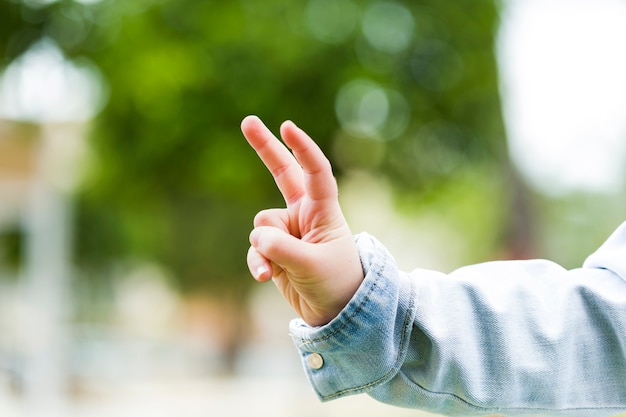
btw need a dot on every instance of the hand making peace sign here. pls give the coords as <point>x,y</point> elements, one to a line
<point>307,248</point>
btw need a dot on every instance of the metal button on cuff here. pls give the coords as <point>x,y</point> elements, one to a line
<point>315,360</point>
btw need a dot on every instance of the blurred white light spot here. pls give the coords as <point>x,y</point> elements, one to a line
<point>364,108</point>
<point>388,26</point>
<point>43,86</point>
<point>372,109</point>
<point>563,72</point>
<point>398,117</point>
<point>332,21</point>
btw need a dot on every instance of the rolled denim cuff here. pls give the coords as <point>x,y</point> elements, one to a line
<point>365,345</point>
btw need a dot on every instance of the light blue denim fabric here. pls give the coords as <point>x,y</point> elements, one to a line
<point>511,337</point>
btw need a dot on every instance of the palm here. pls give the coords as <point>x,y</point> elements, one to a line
<point>305,267</point>
<point>307,289</point>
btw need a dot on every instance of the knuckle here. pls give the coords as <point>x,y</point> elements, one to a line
<point>264,218</point>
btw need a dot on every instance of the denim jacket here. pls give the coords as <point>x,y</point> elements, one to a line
<point>508,337</point>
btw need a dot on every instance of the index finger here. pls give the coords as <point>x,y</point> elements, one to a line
<point>285,169</point>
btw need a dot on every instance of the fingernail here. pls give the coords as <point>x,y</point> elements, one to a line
<point>260,271</point>
<point>288,123</point>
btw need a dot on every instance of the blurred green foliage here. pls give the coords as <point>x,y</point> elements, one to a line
<point>406,89</point>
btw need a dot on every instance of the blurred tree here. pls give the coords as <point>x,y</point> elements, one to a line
<point>413,85</point>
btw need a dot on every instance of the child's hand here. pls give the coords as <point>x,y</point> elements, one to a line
<point>306,248</point>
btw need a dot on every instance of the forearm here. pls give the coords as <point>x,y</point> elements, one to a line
<point>517,338</point>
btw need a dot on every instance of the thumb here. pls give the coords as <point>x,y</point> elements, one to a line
<point>283,249</point>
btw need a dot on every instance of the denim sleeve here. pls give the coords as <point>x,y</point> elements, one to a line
<point>509,337</point>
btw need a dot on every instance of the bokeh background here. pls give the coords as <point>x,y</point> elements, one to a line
<point>459,131</point>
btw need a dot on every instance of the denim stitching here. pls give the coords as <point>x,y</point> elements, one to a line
<point>398,356</point>
<point>379,274</point>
